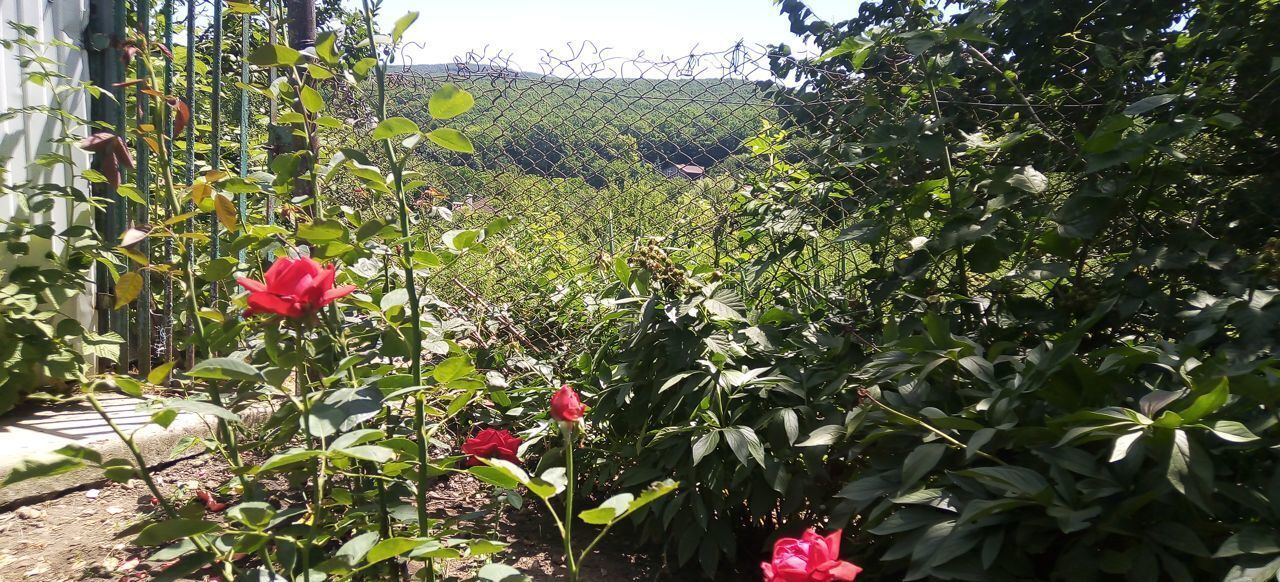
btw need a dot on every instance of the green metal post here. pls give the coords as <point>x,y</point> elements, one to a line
<point>120,317</point>
<point>143,215</point>
<point>167,314</point>
<point>241,200</point>
<point>215,114</point>
<point>189,259</point>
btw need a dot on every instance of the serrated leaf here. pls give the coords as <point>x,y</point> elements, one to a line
<point>159,373</point>
<point>402,24</point>
<point>172,529</point>
<point>128,287</point>
<point>311,99</point>
<point>226,211</point>
<point>451,139</point>
<point>391,547</point>
<point>394,127</point>
<point>225,369</point>
<point>612,509</point>
<point>449,101</point>
<point>274,55</point>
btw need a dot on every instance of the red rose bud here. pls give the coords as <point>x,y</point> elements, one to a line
<point>566,406</point>
<point>490,443</point>
<point>812,557</point>
<point>294,288</point>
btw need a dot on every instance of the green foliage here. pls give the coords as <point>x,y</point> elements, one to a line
<point>1019,322</point>
<point>44,270</point>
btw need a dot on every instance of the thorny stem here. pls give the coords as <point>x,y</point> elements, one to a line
<point>226,433</point>
<point>415,308</point>
<point>145,473</point>
<point>567,528</point>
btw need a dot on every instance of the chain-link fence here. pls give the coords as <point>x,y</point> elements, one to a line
<point>589,155</point>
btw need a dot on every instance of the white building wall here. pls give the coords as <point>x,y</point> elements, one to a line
<point>27,136</point>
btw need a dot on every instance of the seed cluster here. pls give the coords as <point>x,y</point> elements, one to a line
<point>664,271</point>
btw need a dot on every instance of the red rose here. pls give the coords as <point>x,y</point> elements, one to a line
<point>810,558</point>
<point>566,406</point>
<point>490,443</point>
<point>295,288</point>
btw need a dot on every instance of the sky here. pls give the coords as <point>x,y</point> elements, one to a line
<point>521,28</point>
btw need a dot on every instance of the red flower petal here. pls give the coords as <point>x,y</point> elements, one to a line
<point>252,285</point>
<point>268,303</point>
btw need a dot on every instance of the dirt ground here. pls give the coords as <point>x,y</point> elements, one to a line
<point>74,537</point>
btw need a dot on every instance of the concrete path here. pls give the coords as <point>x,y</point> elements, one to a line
<point>47,428</point>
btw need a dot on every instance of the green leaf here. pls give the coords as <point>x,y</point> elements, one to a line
<point>745,444</point>
<point>225,369</point>
<point>43,465</point>
<point>394,127</point>
<point>1178,470</point>
<point>494,476</point>
<point>159,373</point>
<point>255,514</point>
<point>612,509</point>
<point>920,461</point>
<point>128,386</point>
<point>1207,403</point>
<point>357,437</point>
<point>202,408</point>
<point>485,547</point>
<point>119,470</point>
<point>1232,431</point>
<point>703,445</point>
<point>823,435</point>
<point>355,549</point>
<point>275,55</point>
<point>402,24</point>
<point>325,230</point>
<point>499,573</point>
<point>859,47</point>
<point>555,478</point>
<point>372,453</point>
<point>1012,479</point>
<point>326,43</point>
<point>1250,540</point>
<point>461,240</point>
<point>449,101</point>
<point>311,99</point>
<point>392,547</point>
<point>1148,103</point>
<point>451,139</point>
<point>280,460</point>
<point>453,369</point>
<point>172,529</point>
<point>724,305</point>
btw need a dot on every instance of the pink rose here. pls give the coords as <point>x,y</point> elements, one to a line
<point>810,558</point>
<point>566,406</point>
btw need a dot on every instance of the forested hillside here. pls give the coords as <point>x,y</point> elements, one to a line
<point>596,129</point>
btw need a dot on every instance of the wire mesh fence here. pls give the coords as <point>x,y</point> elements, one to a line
<point>589,155</point>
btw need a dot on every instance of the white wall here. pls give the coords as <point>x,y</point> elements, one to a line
<point>24,138</point>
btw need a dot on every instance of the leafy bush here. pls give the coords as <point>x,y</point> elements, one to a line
<point>43,269</point>
<point>1023,308</point>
